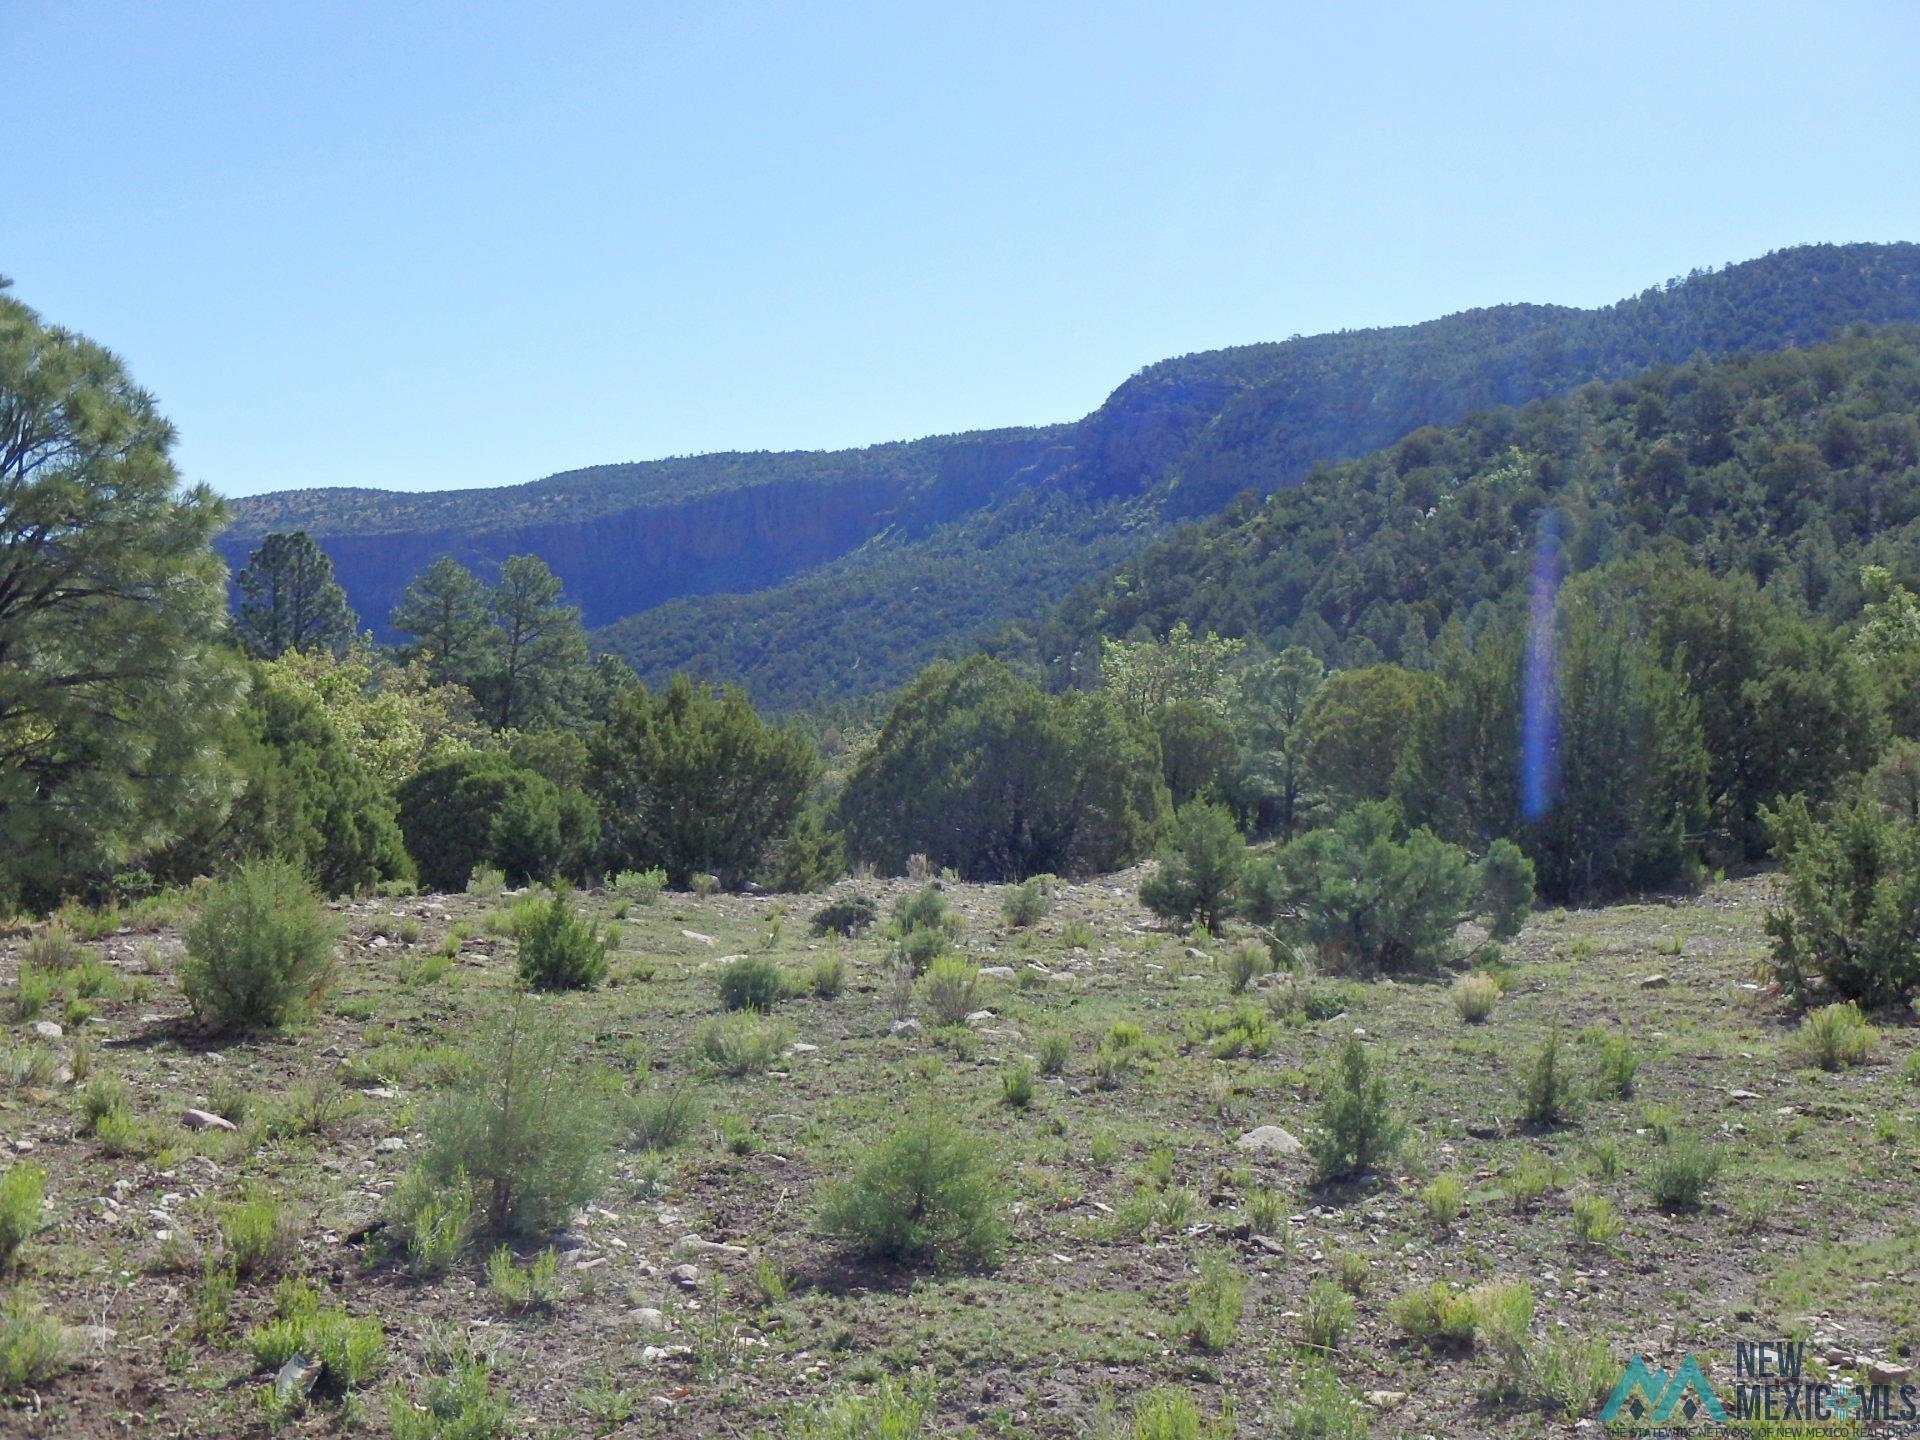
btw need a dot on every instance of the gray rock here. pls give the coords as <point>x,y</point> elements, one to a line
<point>1654,982</point>
<point>206,1120</point>
<point>296,1378</point>
<point>1270,1140</point>
<point>687,1277</point>
<point>46,1030</point>
<point>909,1026</point>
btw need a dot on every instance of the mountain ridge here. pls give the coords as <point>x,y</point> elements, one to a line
<point>814,576</point>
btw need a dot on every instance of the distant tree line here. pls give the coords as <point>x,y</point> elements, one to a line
<point>1602,645</point>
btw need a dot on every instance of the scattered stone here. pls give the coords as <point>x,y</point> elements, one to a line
<point>1654,982</point>
<point>1270,1140</point>
<point>696,935</point>
<point>1385,1399</point>
<point>592,1264</point>
<point>296,1378</point>
<point>687,1277</point>
<point>46,1030</point>
<point>206,1120</point>
<point>694,1245</point>
<point>390,1145</point>
<point>1742,1095</point>
<point>997,972</point>
<point>653,1354</point>
<point>802,1048</point>
<point>1885,1372</point>
<point>647,1315</point>
<point>1270,1245</point>
<point>909,1026</point>
<point>98,1336</point>
<point>979,1017</point>
<point>23,1145</point>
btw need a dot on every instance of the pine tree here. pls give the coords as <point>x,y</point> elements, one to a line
<point>289,599</point>
<point>113,680</point>
<point>447,613</point>
<point>541,651</point>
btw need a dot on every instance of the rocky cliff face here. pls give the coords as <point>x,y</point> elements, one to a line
<point>730,541</point>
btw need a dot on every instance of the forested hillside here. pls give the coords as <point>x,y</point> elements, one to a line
<point>1795,468</point>
<point>811,577</point>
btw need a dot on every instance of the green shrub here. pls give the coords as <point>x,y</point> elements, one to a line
<point>1546,1089</point>
<point>462,1405</point>
<point>662,1119</point>
<point>1370,901</point>
<point>432,1220</point>
<point>1166,1413</point>
<point>31,993</point>
<point>1442,1199</point>
<point>1027,903</point>
<point>950,990</point>
<point>1326,1315</point>
<point>919,948</point>
<point>1528,1181</point>
<point>925,909</point>
<point>1618,1065</point>
<point>1243,963</point>
<point>1356,1128</point>
<point>1120,1052</point>
<point>847,916</point>
<point>536,1287</point>
<point>1016,1085</point>
<point>1594,1221</point>
<point>1571,1375</point>
<point>1473,997</point>
<point>740,1044</point>
<point>351,1352</point>
<point>887,1411</point>
<point>260,951</point>
<point>121,1135</point>
<point>559,949</point>
<point>1682,1170</point>
<point>1356,1273</point>
<point>22,1189</point>
<point>1850,924</point>
<point>520,1126</point>
<point>1502,1321</point>
<point>1052,1050</point>
<point>34,1347</point>
<point>639,887</point>
<point>261,1234</point>
<point>1836,1037</point>
<point>105,1093</point>
<point>751,982</point>
<point>487,882</point>
<point>1322,1410</point>
<point>1200,866</point>
<point>928,1191</point>
<point>1506,889</point>
<point>1434,1315</point>
<point>479,809</point>
<point>1214,1304</point>
<point>51,948</point>
<point>828,977</point>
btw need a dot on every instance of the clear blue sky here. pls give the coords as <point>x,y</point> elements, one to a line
<point>416,245</point>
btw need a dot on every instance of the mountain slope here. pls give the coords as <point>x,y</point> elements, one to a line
<point>812,577</point>
<point>1794,467</point>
